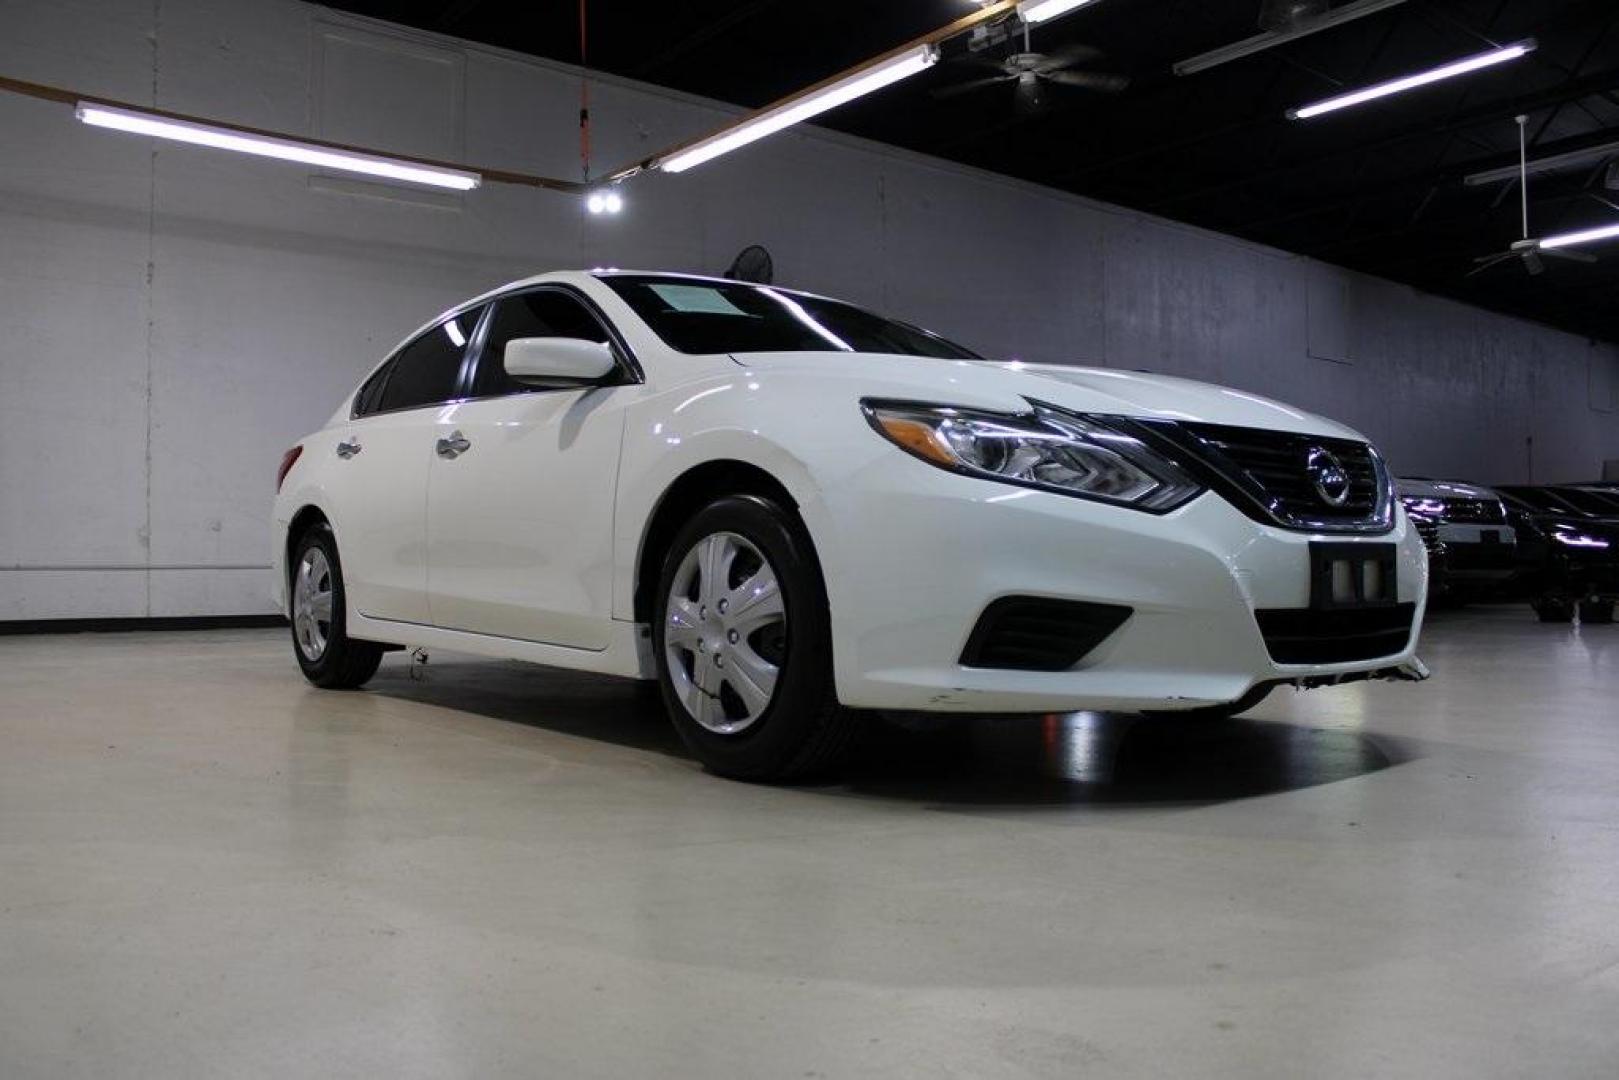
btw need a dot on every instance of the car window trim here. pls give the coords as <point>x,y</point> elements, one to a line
<point>392,363</point>
<point>628,368</point>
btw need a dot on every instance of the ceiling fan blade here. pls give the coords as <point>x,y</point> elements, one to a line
<point>1534,263</point>
<point>1067,56</point>
<point>1569,254</point>
<point>1489,262</point>
<point>970,85</point>
<point>989,63</point>
<point>1089,80</point>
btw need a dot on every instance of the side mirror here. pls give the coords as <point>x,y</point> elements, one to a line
<point>558,361</point>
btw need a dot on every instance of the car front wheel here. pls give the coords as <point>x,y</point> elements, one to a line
<point>744,644</point>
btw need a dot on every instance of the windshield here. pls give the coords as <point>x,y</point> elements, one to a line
<point>1591,502</point>
<point>1541,500</point>
<point>692,315</point>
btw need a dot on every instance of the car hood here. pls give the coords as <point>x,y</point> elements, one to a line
<point>1009,386</point>
<point>1442,489</point>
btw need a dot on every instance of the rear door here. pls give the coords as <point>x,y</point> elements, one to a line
<point>378,488</point>
<point>520,506</point>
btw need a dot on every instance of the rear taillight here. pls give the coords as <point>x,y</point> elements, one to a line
<point>288,460</point>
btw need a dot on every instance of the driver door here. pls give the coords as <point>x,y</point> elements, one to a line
<point>520,491</point>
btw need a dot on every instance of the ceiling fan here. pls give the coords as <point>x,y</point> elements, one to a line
<point>1529,250</point>
<point>1031,73</point>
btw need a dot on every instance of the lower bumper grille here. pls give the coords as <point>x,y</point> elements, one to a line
<point>1488,558</point>
<point>1335,637</point>
<point>1027,633</point>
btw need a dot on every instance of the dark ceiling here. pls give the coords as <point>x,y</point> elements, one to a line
<point>1377,188</point>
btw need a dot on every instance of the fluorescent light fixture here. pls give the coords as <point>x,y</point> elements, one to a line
<point>1584,236</point>
<point>798,109</point>
<point>222,138</point>
<point>1271,38</point>
<point>1411,82</point>
<point>1035,11</point>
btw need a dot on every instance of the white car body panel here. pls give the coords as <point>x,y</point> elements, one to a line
<point>535,546</point>
<point>381,490</point>
<point>520,527</point>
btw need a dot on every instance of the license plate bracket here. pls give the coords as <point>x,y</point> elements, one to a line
<point>1349,576</point>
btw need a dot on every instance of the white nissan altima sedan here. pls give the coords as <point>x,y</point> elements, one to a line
<point>786,509</point>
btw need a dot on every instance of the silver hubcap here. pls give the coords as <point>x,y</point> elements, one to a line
<point>312,604</point>
<point>725,633</point>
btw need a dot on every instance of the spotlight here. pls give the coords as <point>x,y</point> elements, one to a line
<point>604,202</point>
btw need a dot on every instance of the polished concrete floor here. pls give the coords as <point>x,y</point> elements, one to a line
<point>209,869</point>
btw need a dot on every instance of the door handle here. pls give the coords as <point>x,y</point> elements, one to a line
<point>348,448</point>
<point>454,446</point>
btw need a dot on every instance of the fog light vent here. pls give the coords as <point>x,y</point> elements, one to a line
<point>1028,633</point>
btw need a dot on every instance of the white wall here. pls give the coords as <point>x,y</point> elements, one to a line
<point>171,319</point>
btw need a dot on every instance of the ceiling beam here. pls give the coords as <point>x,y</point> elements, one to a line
<point>1483,113</point>
<point>1270,39</point>
<point>63,96</point>
<point>1556,162</point>
<point>999,9</point>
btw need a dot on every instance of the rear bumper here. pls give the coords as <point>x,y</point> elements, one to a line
<point>932,550</point>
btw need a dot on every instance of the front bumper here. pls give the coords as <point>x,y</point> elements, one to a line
<point>1479,552</point>
<point>913,556</point>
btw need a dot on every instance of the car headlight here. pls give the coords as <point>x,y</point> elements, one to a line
<point>1046,449</point>
<point>1433,508</point>
<point>1571,538</point>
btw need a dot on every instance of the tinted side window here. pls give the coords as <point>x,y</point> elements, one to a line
<point>543,313</point>
<point>369,399</point>
<point>427,370</point>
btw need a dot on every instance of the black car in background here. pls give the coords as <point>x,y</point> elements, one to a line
<point>1472,549</point>
<point>1568,550</point>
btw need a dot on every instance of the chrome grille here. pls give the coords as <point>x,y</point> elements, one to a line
<point>1271,469</point>
<point>1475,512</point>
<point>1428,529</point>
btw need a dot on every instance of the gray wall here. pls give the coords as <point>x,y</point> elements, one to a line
<point>171,319</point>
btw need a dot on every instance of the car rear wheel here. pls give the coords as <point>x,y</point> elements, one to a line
<point>1554,609</point>
<point>1596,611</point>
<point>744,644</point>
<point>328,656</point>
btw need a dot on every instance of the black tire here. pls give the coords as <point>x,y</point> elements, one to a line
<point>1248,701</point>
<point>1552,609</point>
<point>344,663</point>
<point>1596,611</point>
<point>803,730</point>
